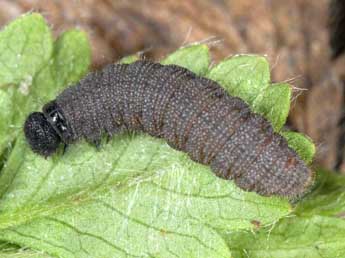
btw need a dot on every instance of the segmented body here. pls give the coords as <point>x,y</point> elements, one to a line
<point>193,114</point>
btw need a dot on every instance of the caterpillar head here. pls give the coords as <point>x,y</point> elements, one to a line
<point>40,134</point>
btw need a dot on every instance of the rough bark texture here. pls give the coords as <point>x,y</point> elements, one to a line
<point>193,114</point>
<point>293,35</point>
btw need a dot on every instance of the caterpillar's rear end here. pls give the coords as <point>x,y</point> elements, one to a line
<point>193,114</point>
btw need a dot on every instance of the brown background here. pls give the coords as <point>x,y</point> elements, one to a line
<point>293,34</point>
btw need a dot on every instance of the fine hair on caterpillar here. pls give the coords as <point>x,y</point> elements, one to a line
<point>192,113</point>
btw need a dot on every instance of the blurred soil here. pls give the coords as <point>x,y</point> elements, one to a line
<point>292,34</point>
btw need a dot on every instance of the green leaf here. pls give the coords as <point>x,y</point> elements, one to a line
<point>195,58</point>
<point>53,66</point>
<point>8,250</point>
<point>12,251</point>
<point>244,76</point>
<point>327,197</point>
<point>7,247</point>
<point>308,237</point>
<point>316,230</point>
<point>274,104</point>
<point>23,254</point>
<point>302,144</point>
<point>25,46</point>
<point>136,184</point>
<point>69,62</point>
<point>134,197</point>
<point>6,115</point>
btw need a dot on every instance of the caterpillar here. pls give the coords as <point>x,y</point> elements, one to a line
<point>192,113</point>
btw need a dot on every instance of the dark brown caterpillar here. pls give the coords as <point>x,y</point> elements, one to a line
<point>194,114</point>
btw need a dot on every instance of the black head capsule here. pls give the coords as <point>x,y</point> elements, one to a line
<point>41,136</point>
<point>45,131</point>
